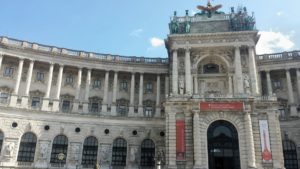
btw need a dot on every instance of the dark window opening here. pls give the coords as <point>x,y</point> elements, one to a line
<point>119,153</point>
<point>290,155</point>
<point>147,153</point>
<point>27,148</point>
<point>89,153</point>
<point>60,146</point>
<point>211,68</point>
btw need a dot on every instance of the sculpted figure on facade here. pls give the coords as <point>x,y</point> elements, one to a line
<point>44,150</point>
<point>104,154</point>
<point>247,84</point>
<point>9,149</point>
<point>133,154</point>
<point>75,151</point>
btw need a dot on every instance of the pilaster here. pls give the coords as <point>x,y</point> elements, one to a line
<point>269,83</point>
<point>114,99</point>
<point>141,92</point>
<point>293,107</point>
<point>87,91</point>
<point>131,103</point>
<point>239,86</point>
<point>105,97</point>
<point>188,80</point>
<point>253,71</point>
<point>158,109</point>
<point>175,73</point>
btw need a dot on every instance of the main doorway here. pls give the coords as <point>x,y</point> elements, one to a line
<point>223,146</point>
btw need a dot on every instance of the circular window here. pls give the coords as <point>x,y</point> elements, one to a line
<point>134,132</point>
<point>162,133</point>
<point>14,124</point>
<point>106,131</point>
<point>47,127</point>
<point>77,129</point>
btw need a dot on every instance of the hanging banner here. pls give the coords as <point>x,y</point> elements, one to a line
<point>265,141</point>
<point>180,140</point>
<point>221,106</point>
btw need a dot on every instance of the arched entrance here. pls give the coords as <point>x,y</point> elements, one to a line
<point>223,146</point>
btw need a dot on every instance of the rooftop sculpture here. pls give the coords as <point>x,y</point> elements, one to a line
<point>209,9</point>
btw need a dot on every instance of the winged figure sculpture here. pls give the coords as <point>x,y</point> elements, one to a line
<point>209,9</point>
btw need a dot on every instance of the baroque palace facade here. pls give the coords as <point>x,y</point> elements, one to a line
<point>212,104</point>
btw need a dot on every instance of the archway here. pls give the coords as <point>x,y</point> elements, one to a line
<point>223,146</point>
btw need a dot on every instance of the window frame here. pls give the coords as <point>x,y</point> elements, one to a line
<point>27,148</point>
<point>40,76</point>
<point>149,88</point>
<point>147,153</point>
<point>89,151</point>
<point>8,72</point>
<point>59,145</point>
<point>119,152</point>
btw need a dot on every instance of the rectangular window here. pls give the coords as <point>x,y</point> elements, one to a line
<point>124,86</point>
<point>69,80</point>
<point>40,76</point>
<point>148,112</point>
<point>4,97</point>
<point>149,87</point>
<point>35,102</point>
<point>97,83</point>
<point>277,84</point>
<point>66,106</point>
<point>94,107</point>
<point>8,72</point>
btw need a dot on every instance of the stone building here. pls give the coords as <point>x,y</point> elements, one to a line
<point>212,104</point>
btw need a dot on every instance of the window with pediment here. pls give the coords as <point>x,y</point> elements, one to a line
<point>122,107</point>
<point>95,104</point>
<point>66,103</point>
<point>5,93</point>
<point>149,108</point>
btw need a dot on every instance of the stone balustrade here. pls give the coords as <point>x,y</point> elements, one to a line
<point>293,55</point>
<point>62,51</point>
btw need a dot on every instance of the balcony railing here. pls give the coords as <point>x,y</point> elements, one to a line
<point>55,50</point>
<point>294,55</point>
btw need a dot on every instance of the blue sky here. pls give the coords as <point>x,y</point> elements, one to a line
<point>134,27</point>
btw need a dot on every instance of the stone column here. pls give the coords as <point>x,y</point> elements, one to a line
<point>78,88</point>
<point>172,141</point>
<point>298,83</point>
<point>25,98</point>
<point>105,97</point>
<point>230,85</point>
<point>197,141</point>
<point>87,91</point>
<point>1,58</point>
<point>14,96</point>
<point>175,73</point>
<point>239,86</point>
<point>131,103</point>
<point>188,77</point>
<point>259,82</point>
<point>158,109</point>
<point>253,71</point>
<point>114,98</point>
<point>141,93</point>
<point>269,83</point>
<point>45,105</point>
<point>292,104</point>
<point>196,87</point>
<point>58,89</point>
<point>167,86</point>
<point>250,141</point>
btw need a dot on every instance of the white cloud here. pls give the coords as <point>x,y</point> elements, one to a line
<point>137,32</point>
<point>279,13</point>
<point>156,42</point>
<point>271,42</point>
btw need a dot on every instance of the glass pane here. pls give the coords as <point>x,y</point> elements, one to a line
<point>119,152</point>
<point>27,148</point>
<point>60,145</point>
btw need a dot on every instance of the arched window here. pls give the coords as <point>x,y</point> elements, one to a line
<point>119,152</point>
<point>89,153</point>
<point>27,148</point>
<point>290,155</point>
<point>211,68</point>
<point>59,146</point>
<point>147,153</point>
<point>1,140</point>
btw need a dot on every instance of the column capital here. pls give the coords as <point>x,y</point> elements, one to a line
<point>141,73</point>
<point>287,69</point>
<point>237,46</point>
<point>174,50</point>
<point>61,65</point>
<point>133,73</point>
<point>32,60</point>
<point>267,71</point>
<point>116,71</point>
<point>51,63</point>
<point>188,49</point>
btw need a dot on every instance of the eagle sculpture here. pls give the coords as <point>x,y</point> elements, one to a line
<point>209,8</point>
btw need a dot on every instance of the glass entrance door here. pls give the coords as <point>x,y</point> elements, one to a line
<point>223,146</point>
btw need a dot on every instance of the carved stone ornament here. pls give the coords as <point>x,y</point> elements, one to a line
<point>43,150</point>
<point>9,149</point>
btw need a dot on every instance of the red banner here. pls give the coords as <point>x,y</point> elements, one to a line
<point>221,106</point>
<point>180,140</point>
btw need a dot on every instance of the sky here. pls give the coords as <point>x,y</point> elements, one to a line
<point>135,27</point>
